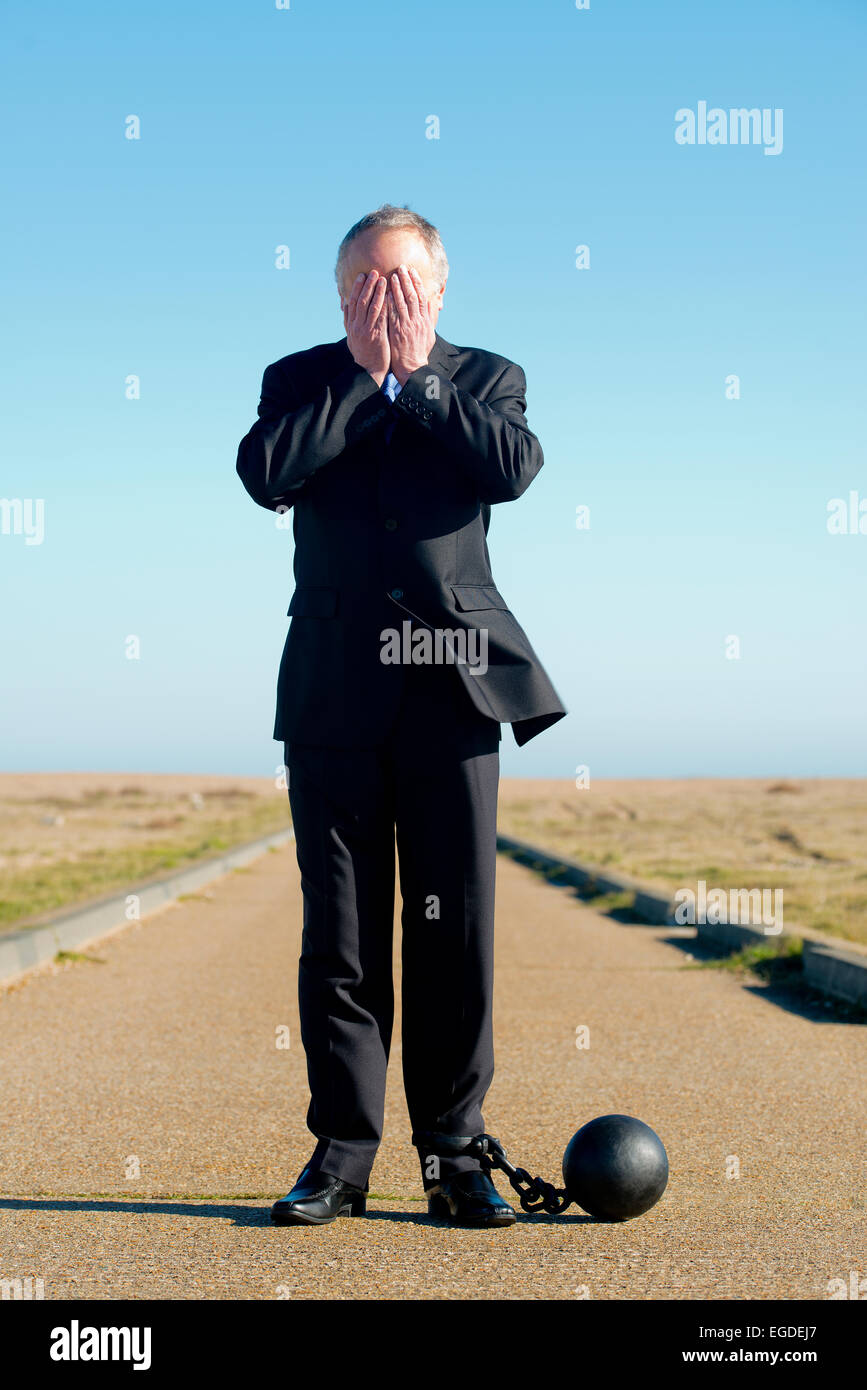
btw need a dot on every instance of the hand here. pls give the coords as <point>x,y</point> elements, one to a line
<point>366,324</point>
<point>410,329</point>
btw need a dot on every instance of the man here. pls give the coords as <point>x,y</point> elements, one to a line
<point>392,445</point>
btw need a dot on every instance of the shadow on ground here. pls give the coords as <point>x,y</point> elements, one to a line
<point>247,1215</point>
<point>777,980</point>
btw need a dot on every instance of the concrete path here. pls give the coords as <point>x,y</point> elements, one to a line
<point>149,1118</point>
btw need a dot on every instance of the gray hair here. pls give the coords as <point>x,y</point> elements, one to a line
<point>388,215</point>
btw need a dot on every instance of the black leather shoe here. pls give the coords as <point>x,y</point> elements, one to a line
<point>317,1198</point>
<point>469,1199</point>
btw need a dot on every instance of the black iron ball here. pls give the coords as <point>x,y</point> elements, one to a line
<point>615,1167</point>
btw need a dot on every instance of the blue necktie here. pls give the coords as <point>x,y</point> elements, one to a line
<point>390,386</point>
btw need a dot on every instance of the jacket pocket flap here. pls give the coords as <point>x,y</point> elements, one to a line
<point>312,601</point>
<point>468,596</point>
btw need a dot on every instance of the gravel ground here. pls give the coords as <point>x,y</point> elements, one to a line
<point>150,1119</point>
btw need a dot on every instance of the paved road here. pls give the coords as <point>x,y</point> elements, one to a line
<point>150,1119</point>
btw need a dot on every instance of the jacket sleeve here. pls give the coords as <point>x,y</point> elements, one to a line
<point>294,438</point>
<point>490,438</point>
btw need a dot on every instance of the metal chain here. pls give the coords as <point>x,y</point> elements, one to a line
<point>535,1193</point>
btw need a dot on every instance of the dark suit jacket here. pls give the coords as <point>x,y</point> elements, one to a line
<point>388,530</point>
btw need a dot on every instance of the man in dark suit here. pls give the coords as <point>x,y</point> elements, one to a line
<point>401,662</point>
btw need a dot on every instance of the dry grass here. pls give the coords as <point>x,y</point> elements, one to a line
<point>807,837</point>
<point>68,838</point>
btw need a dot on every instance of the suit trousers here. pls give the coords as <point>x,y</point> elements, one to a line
<point>430,787</point>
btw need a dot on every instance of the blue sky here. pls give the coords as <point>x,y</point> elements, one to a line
<point>262,127</point>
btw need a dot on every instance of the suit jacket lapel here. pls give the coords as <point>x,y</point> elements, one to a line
<point>443,359</point>
<point>443,355</point>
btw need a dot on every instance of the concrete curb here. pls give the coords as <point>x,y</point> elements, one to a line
<point>656,908</point>
<point>735,937</point>
<point>568,870</point>
<point>22,951</point>
<point>840,971</point>
<point>835,970</point>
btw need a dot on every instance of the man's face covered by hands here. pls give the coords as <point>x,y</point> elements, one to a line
<point>390,302</point>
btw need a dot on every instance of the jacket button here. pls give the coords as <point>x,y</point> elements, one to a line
<point>390,524</point>
<point>397,593</point>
